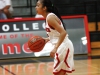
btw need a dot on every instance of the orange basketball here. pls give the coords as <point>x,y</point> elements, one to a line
<point>36,43</point>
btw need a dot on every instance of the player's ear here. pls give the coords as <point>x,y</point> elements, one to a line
<point>44,8</point>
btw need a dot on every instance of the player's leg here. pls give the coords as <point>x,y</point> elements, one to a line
<point>63,61</point>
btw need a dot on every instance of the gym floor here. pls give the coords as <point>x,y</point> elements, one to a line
<point>84,65</point>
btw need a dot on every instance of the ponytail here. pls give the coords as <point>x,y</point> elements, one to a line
<point>55,11</point>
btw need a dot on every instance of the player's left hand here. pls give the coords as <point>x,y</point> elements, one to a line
<point>52,53</point>
<point>46,39</point>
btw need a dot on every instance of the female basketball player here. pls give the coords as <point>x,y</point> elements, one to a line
<point>62,50</point>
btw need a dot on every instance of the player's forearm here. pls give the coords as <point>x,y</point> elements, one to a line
<point>61,38</point>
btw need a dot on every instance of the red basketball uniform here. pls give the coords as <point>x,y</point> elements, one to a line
<point>63,60</point>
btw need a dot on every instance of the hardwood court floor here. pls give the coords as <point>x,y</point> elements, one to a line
<point>84,65</point>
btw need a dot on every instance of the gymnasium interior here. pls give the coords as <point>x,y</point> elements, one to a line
<point>82,20</point>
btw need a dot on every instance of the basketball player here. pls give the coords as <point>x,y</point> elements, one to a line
<point>62,47</point>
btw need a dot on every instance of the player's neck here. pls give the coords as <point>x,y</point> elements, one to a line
<point>45,14</point>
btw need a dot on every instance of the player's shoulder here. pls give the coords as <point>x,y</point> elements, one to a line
<point>51,17</point>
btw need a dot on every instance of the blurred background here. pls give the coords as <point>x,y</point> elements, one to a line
<point>91,8</point>
<point>21,61</point>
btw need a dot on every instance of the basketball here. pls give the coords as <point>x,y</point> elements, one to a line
<point>36,43</point>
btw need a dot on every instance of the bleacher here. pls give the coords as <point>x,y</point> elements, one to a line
<point>24,8</point>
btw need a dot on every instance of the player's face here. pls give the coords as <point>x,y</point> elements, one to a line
<point>39,8</point>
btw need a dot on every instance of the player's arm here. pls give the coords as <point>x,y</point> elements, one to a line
<point>52,21</point>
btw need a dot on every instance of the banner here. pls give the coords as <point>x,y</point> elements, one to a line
<point>14,35</point>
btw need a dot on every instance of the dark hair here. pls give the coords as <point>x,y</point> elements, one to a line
<point>52,8</point>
